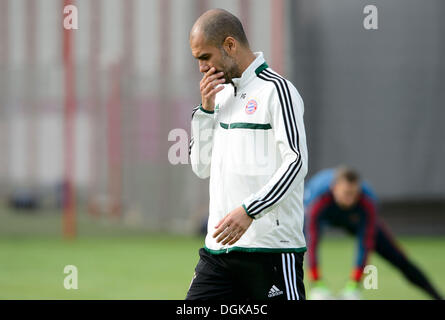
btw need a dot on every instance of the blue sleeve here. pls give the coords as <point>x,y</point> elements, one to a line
<point>321,182</point>
<point>367,190</point>
<point>317,185</point>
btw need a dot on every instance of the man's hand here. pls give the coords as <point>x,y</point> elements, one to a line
<point>230,229</point>
<point>208,87</point>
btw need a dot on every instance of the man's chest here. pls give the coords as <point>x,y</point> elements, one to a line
<point>247,109</point>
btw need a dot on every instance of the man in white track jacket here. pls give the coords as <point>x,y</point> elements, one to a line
<point>248,136</point>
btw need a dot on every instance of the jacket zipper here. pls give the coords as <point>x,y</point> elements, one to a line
<point>277,221</point>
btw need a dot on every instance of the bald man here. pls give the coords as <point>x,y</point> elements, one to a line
<point>248,136</point>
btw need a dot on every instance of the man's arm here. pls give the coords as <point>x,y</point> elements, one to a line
<point>200,148</point>
<point>313,232</point>
<point>287,122</point>
<point>201,140</point>
<point>365,236</point>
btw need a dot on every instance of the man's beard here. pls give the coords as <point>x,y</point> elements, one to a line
<point>230,68</point>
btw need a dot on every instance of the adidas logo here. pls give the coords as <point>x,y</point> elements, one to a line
<point>274,291</point>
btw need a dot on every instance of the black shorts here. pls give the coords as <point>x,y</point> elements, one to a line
<point>248,276</point>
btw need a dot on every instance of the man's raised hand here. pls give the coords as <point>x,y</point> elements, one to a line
<point>208,87</point>
<point>230,229</point>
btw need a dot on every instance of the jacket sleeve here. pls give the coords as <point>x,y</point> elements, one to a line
<point>200,147</point>
<point>286,111</point>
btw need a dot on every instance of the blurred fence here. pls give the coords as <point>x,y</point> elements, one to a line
<point>373,99</point>
<point>136,80</point>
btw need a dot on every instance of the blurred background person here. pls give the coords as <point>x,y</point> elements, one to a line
<point>339,198</point>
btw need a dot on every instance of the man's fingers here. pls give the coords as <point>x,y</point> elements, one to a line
<point>224,226</point>
<point>234,236</point>
<point>204,69</point>
<point>213,77</point>
<point>212,80</point>
<point>211,74</point>
<point>223,235</point>
<point>214,91</point>
<point>232,227</point>
<point>230,235</point>
<point>229,238</point>
<point>210,86</point>
<point>208,73</point>
<point>220,222</point>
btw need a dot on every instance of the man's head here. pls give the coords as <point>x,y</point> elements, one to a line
<point>217,39</point>
<point>346,187</point>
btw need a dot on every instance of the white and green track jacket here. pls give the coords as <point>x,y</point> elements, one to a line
<point>253,148</point>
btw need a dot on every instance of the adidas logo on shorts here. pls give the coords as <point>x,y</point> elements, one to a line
<point>274,291</point>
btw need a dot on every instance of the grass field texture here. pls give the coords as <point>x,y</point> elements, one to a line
<point>135,265</point>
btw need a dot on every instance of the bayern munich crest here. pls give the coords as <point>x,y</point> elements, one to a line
<point>251,106</point>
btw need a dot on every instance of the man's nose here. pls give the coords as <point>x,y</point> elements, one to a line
<point>203,66</point>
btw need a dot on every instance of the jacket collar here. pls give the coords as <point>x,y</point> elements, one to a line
<point>251,72</point>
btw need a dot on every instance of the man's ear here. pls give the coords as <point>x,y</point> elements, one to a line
<point>230,45</point>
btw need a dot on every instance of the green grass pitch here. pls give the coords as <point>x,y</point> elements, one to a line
<point>116,265</point>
